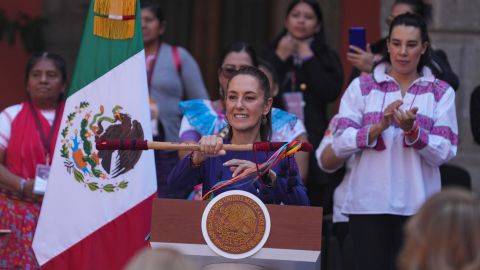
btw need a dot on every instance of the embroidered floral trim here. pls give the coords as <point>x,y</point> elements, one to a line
<point>422,140</point>
<point>445,132</point>
<point>362,138</point>
<point>344,123</point>
<point>437,88</point>
<point>21,218</point>
<point>424,122</point>
<point>368,83</point>
<point>372,118</point>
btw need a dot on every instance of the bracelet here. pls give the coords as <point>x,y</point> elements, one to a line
<point>22,185</point>
<point>413,130</point>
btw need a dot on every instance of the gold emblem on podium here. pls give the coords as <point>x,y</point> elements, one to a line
<point>236,224</point>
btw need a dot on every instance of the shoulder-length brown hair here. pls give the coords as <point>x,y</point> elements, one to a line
<point>444,234</point>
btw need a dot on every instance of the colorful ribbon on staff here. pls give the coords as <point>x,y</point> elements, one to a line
<point>251,175</point>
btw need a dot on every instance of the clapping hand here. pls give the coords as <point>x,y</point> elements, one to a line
<point>405,119</point>
<point>388,114</point>
<point>286,47</point>
<point>386,121</point>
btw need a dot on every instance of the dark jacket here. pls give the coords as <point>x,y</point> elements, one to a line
<point>323,77</point>
<point>475,114</point>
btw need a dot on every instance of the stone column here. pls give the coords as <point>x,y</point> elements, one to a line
<point>455,28</point>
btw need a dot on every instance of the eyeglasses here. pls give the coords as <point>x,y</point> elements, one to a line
<point>228,71</point>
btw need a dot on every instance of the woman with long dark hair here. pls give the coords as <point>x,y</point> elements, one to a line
<point>312,77</point>
<point>400,122</point>
<point>363,61</point>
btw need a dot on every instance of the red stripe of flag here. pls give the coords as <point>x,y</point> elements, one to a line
<point>111,246</point>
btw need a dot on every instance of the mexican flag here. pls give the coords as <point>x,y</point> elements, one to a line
<point>97,207</point>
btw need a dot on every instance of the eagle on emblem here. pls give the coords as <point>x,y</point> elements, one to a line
<point>122,127</point>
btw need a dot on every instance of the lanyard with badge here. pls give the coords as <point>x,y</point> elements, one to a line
<point>294,100</point>
<point>43,170</point>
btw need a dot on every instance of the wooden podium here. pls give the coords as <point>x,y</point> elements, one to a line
<point>294,241</point>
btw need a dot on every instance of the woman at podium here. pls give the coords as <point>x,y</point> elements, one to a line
<point>248,112</point>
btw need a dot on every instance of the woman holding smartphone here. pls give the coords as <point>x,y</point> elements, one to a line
<point>312,77</point>
<point>400,122</point>
<point>364,59</point>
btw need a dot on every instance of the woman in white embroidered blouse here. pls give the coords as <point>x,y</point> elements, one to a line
<point>402,124</point>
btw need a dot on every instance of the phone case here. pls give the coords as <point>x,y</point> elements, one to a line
<point>357,37</point>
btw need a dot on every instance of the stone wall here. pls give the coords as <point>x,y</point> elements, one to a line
<point>455,28</point>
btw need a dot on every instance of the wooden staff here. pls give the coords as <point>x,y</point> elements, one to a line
<point>129,144</point>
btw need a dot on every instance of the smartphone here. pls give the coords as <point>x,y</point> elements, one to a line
<point>357,37</point>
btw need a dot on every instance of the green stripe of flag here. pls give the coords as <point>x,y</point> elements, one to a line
<point>99,55</point>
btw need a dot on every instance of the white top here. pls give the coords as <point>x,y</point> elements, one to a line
<point>8,115</point>
<point>341,189</point>
<point>391,176</point>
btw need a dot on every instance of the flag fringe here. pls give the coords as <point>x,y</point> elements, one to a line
<point>113,29</point>
<point>115,7</point>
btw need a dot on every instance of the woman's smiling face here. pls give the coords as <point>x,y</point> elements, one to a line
<point>245,104</point>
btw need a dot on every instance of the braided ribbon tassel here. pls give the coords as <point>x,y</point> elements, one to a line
<point>255,173</point>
